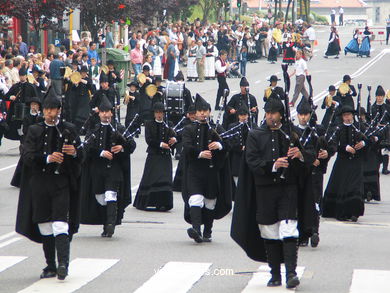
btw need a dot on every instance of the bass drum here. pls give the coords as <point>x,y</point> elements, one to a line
<point>174,97</point>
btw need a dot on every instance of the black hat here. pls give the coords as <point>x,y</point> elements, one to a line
<point>133,83</point>
<point>30,100</point>
<point>273,78</point>
<point>347,109</point>
<point>157,79</point>
<point>346,78</point>
<point>243,110</point>
<point>146,67</point>
<point>304,106</point>
<point>332,88</point>
<point>201,104</point>
<point>380,92</point>
<point>191,109</point>
<point>52,100</point>
<point>105,104</point>
<point>36,69</point>
<point>274,105</point>
<point>110,62</point>
<point>244,82</point>
<point>179,76</point>
<point>158,107</point>
<point>103,77</point>
<point>84,68</point>
<point>23,71</point>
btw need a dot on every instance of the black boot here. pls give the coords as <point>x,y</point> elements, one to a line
<point>112,208</point>
<point>274,251</point>
<point>196,220</point>
<point>104,233</point>
<point>49,249</point>
<point>290,251</point>
<point>385,162</point>
<point>62,247</point>
<point>208,224</point>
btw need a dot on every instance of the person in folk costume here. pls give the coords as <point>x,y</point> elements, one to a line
<point>333,44</point>
<point>40,81</point>
<point>365,46</point>
<point>148,62</point>
<point>17,95</point>
<point>211,54</point>
<point>237,101</point>
<point>312,138</point>
<point>192,73</point>
<point>132,102</point>
<point>78,94</point>
<point>371,161</point>
<point>237,145</point>
<point>274,90</point>
<point>145,100</point>
<point>94,73</point>
<point>343,197</point>
<point>34,116</point>
<point>155,189</point>
<point>380,113</point>
<point>46,213</point>
<point>105,182</point>
<point>221,68</point>
<point>190,118</point>
<point>330,104</point>
<point>113,79</point>
<point>108,92</point>
<point>207,180</point>
<point>289,52</point>
<point>158,52</point>
<point>266,212</point>
<point>273,51</point>
<point>353,45</point>
<point>3,118</point>
<point>344,96</point>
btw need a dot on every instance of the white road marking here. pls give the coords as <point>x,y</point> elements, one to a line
<point>8,235</point>
<point>81,272</point>
<point>368,281</point>
<point>9,167</point>
<point>10,241</point>
<point>9,261</point>
<point>259,281</point>
<point>177,277</point>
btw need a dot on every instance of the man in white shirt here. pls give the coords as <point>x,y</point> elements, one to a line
<point>341,16</point>
<point>300,72</point>
<point>332,16</point>
<point>310,35</point>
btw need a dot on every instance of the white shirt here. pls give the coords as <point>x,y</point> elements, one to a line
<point>311,34</point>
<point>341,11</point>
<point>300,67</point>
<point>219,68</point>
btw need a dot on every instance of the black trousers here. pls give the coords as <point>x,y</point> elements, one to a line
<point>387,35</point>
<point>222,85</point>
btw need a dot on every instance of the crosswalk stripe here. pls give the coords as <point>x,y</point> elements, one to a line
<point>259,281</point>
<point>178,277</point>
<point>368,281</point>
<point>81,272</point>
<point>10,241</point>
<point>8,235</point>
<point>9,261</point>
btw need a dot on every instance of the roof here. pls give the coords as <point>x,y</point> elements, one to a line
<point>314,3</point>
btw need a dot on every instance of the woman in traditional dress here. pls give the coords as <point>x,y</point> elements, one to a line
<point>353,45</point>
<point>334,44</point>
<point>192,73</point>
<point>365,46</point>
<point>289,52</point>
<point>273,51</point>
<point>211,54</point>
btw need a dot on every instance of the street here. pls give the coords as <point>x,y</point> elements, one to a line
<point>151,252</point>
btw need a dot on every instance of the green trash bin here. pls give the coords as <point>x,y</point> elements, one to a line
<point>122,62</point>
